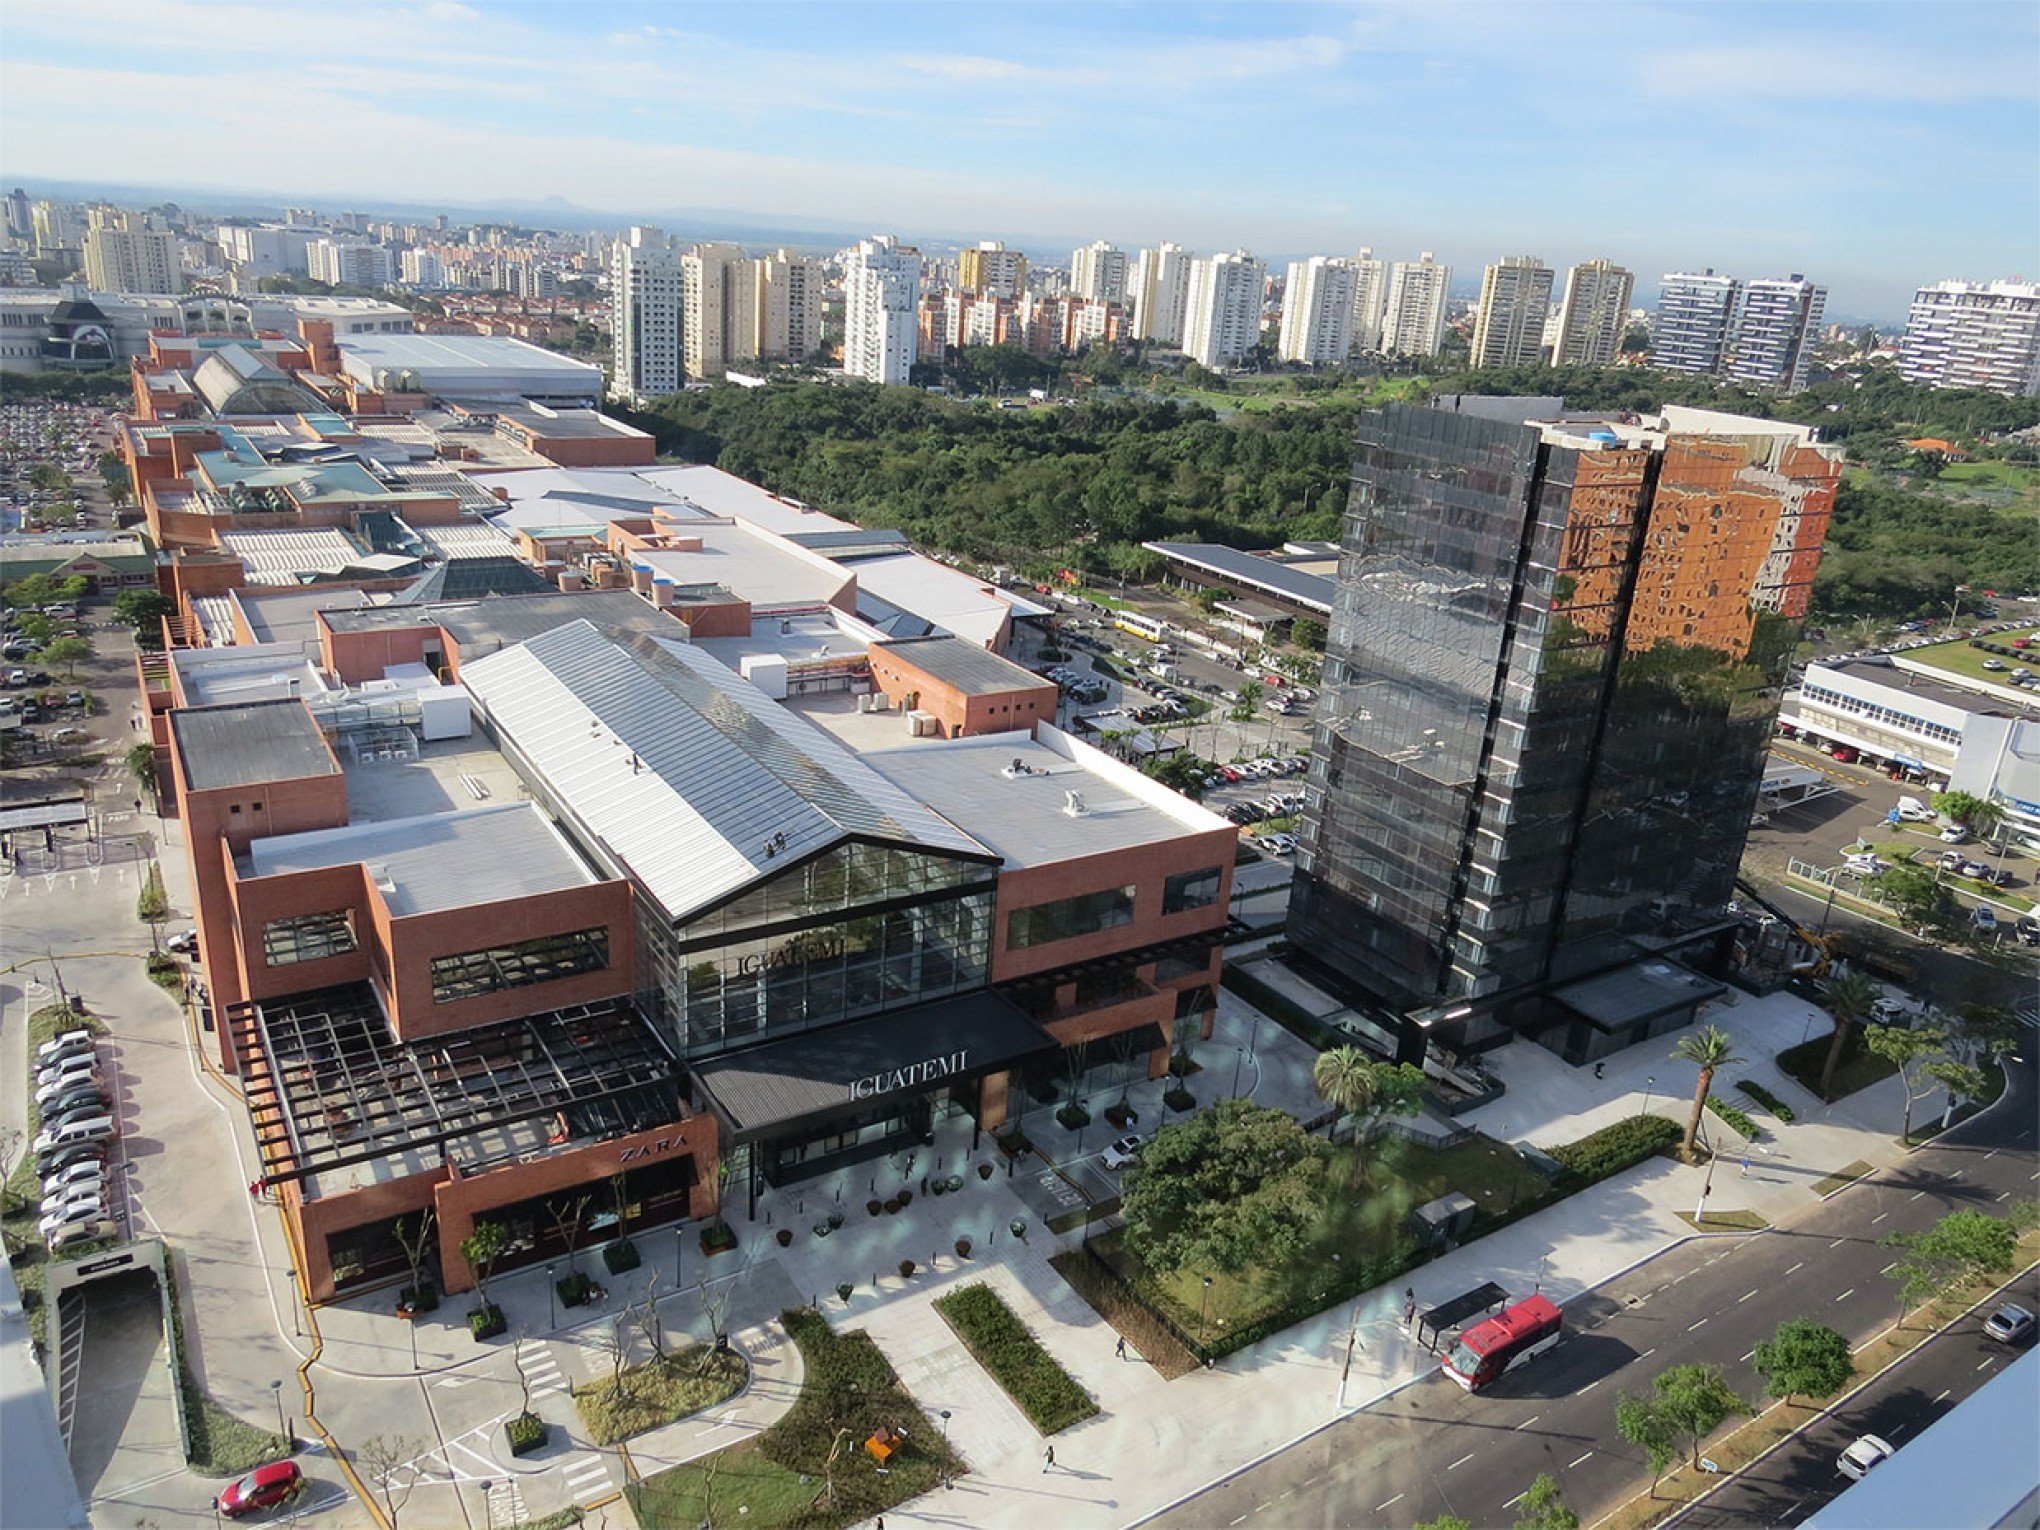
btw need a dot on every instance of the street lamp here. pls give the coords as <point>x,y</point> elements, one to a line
<point>276,1391</point>
<point>551,1300</point>
<point>1204,1317</point>
<point>1649,1084</point>
<point>488,1505</point>
<point>295,1327</point>
<point>679,1250</point>
<point>1239,1056</point>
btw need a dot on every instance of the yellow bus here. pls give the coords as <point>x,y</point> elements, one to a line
<point>1153,628</point>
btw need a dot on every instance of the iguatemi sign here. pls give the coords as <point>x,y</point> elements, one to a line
<point>912,1076</point>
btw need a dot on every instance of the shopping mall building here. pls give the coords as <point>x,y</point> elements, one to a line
<point>518,904</point>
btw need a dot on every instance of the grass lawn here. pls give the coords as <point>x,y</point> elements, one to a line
<point>1015,1359</point>
<point>2017,485</point>
<point>783,1476</point>
<point>1958,658</point>
<point>1368,1225</point>
<point>1859,1068</point>
<point>656,1393</point>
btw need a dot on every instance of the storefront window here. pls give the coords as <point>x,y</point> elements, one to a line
<point>1191,889</point>
<point>1066,918</point>
<point>530,961</point>
<point>307,938</point>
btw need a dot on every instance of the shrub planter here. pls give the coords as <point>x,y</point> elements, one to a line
<point>573,1289</point>
<point>906,1198</point>
<point>874,1206</point>
<point>486,1321</point>
<point>906,1269</point>
<point>892,1206</point>
<point>984,1171</point>
<point>844,1290</point>
<point>1121,1116</point>
<point>1180,1099</point>
<point>413,1300</point>
<point>1015,1145</point>
<point>963,1248</point>
<point>620,1256</point>
<point>526,1432</point>
<point>1073,1117</point>
<point>718,1239</point>
<point>785,1236</point>
<point>1182,1065</point>
<point>835,1220</point>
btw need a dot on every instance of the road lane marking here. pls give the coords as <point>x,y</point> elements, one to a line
<point>1583,1391</point>
<point>1231,1522</point>
<point>1461,1461</point>
<point>1746,1296</point>
<point>1691,1326</point>
<point>1987,1157</point>
<point>1846,1294</point>
<point>1576,1461</point>
<point>1944,1394</point>
<point>1889,1268</point>
<point>1740,1358</point>
<point>1390,1504</point>
<point>2006,1196</point>
<point>1838,1243</point>
<point>1985,1366</point>
<point>1799,1266</point>
<point>1648,1353</point>
<point>1533,1418</point>
<point>1879,1218</point>
<point>1509,1505</point>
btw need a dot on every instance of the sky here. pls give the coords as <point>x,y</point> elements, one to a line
<point>1871,146</point>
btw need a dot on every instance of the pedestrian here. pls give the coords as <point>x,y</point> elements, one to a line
<point>1745,1166</point>
<point>254,1189</point>
<point>1048,1459</point>
<point>1600,1070</point>
<point>1120,1348</point>
<point>1409,1305</point>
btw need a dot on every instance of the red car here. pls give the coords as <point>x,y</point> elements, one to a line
<point>263,1488</point>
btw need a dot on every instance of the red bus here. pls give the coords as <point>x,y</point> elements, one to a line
<point>1487,1350</point>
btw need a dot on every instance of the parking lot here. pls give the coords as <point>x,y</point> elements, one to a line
<point>49,467</point>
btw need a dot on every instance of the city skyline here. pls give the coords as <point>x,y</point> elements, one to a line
<point>856,121</point>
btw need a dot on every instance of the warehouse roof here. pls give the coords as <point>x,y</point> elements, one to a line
<point>970,669</point>
<point>249,743</point>
<point>1312,591</point>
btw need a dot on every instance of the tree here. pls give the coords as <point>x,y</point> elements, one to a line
<point>1804,1358</point>
<point>1908,1050</point>
<point>152,906</point>
<point>1544,1507</point>
<point>1644,1424</point>
<point>1694,1400</point>
<point>385,1460</point>
<point>1234,1185</point>
<point>1979,815</point>
<point>1306,633</point>
<point>1180,772</point>
<point>414,1237</point>
<point>1983,1032</point>
<point>69,652</point>
<point>143,610</point>
<point>141,764</point>
<point>1344,1077</point>
<point>481,1248</point>
<point>566,1218</point>
<point>1962,1080</point>
<point>646,1313</point>
<point>1962,1245</point>
<point>1847,1000</point>
<point>1709,1049</point>
<point>1914,893</point>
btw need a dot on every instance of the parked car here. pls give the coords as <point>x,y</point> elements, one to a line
<point>1868,1451</point>
<point>93,1210</point>
<point>63,1044</point>
<point>66,1157</point>
<point>87,1171</point>
<point>2010,1324</point>
<point>2028,930</point>
<point>1954,834</point>
<point>92,1092</point>
<point>1984,918</point>
<point>1123,1152</point>
<point>72,1234</point>
<point>263,1488</point>
<point>183,943</point>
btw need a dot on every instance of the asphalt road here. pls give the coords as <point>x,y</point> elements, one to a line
<point>1431,1449</point>
<point>1797,1480</point>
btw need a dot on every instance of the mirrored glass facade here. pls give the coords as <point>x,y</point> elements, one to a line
<point>1549,688</point>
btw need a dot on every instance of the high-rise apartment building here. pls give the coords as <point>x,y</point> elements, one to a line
<point>54,227</point>
<point>1553,672</point>
<point>1161,294</point>
<point>20,216</point>
<point>1317,311</point>
<point>1592,315</point>
<point>783,309</point>
<point>1973,335</point>
<point>992,270</point>
<point>1776,329</point>
<point>350,263</point>
<point>130,252</point>
<point>644,315</point>
<point>711,279</point>
<point>1370,299</point>
<point>1695,318</point>
<point>266,250</point>
<point>1222,318</point>
<point>1508,327</point>
<point>1413,320</point>
<point>881,294</point>
<point>422,269</point>
<point>1098,273</point>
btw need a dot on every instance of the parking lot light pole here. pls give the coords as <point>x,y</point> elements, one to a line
<point>551,1299</point>
<point>290,1277</point>
<point>488,1504</point>
<point>1649,1084</point>
<point>282,1428</point>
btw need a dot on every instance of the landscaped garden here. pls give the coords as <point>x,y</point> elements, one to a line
<point>663,1389</point>
<point>1000,1342</point>
<point>812,1470</point>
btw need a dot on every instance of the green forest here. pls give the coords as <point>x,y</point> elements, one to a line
<point>1085,483</point>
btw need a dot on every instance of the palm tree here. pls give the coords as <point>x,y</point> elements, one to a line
<point>1709,1049</point>
<point>1346,1078</point>
<point>1848,999</point>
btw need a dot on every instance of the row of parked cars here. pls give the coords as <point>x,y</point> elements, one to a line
<point>75,1104</point>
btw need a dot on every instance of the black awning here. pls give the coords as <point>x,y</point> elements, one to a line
<point>1450,1314</point>
<point>764,1090</point>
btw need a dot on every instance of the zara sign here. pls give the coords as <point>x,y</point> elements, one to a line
<point>911,1076</point>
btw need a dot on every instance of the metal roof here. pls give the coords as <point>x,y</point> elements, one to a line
<point>692,777</point>
<point>249,744</point>
<point>1312,591</point>
<point>439,860</point>
<point>973,670</point>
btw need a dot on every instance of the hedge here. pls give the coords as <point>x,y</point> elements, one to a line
<point>994,1334</point>
<point>1615,1148</point>
<point>1279,1007</point>
<point>1765,1098</point>
<point>1733,1117</point>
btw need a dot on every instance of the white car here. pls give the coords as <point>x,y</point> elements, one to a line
<point>54,1222</point>
<point>1855,1462</point>
<point>64,1044</point>
<point>89,1172</point>
<point>1123,1152</point>
<point>1954,834</point>
<point>1863,865</point>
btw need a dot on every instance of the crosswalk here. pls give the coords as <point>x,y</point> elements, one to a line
<point>587,1477</point>
<point>542,1371</point>
<point>506,1502</point>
